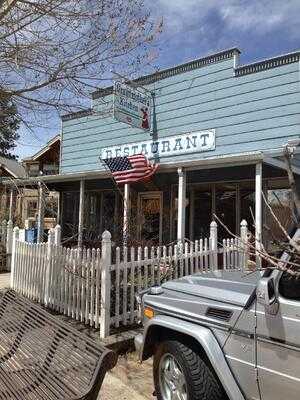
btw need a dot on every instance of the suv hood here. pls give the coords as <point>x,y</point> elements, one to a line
<point>233,287</point>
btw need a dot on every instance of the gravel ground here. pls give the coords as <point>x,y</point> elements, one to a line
<point>129,380</point>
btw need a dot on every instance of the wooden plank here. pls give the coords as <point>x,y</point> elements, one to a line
<point>93,292</point>
<point>132,283</point>
<point>206,255</point>
<point>186,258</point>
<point>196,256</point>
<point>171,261</point>
<point>146,267</point>
<point>97,288</point>
<point>125,284</point>
<point>117,289</point>
<point>153,263</point>
<point>176,261</point>
<point>87,286</point>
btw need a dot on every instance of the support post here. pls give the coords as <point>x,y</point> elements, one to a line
<point>50,243</point>
<point>244,245</point>
<point>258,211</point>
<point>105,285</point>
<point>213,239</point>
<point>41,214</point>
<point>126,215</point>
<point>81,213</point>
<point>192,213</point>
<point>9,239</point>
<point>11,204</point>
<point>16,232</point>
<point>57,235</point>
<point>181,205</point>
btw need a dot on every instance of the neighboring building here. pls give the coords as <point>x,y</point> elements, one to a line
<point>26,193</point>
<point>45,161</point>
<point>218,132</point>
<point>9,168</point>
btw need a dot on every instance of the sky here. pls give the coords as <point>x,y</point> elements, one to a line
<point>196,28</point>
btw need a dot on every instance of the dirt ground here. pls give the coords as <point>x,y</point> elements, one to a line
<point>129,380</point>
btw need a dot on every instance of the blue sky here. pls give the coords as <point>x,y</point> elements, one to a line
<point>195,28</point>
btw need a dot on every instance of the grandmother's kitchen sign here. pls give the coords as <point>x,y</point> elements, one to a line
<point>132,106</point>
<point>168,146</point>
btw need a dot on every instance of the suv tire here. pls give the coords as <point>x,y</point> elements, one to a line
<point>179,368</point>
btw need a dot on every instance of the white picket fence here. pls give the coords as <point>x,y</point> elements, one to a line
<point>99,290</point>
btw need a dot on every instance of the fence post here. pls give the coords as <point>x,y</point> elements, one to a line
<point>244,244</point>
<point>16,232</point>
<point>213,238</point>
<point>48,266</point>
<point>57,235</point>
<point>105,285</point>
<point>9,237</point>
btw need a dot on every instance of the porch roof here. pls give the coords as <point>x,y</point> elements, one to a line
<point>273,157</point>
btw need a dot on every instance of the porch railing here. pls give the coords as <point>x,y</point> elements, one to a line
<point>99,290</point>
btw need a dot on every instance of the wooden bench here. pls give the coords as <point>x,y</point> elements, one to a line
<point>43,358</point>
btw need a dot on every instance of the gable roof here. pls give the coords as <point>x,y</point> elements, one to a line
<point>13,167</point>
<point>43,150</point>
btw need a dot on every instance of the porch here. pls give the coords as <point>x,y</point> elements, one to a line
<point>178,204</point>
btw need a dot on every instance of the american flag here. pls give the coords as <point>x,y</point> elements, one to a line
<point>131,169</point>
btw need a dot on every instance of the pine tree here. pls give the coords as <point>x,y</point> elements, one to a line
<point>9,125</point>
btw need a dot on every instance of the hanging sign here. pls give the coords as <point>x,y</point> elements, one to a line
<point>132,106</point>
<point>193,142</point>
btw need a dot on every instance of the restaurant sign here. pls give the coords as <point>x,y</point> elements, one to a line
<point>193,142</point>
<point>132,106</point>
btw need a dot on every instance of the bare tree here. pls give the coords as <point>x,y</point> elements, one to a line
<point>53,53</point>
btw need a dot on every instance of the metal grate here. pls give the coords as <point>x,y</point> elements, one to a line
<point>219,313</point>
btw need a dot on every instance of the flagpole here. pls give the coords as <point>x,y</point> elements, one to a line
<point>126,215</point>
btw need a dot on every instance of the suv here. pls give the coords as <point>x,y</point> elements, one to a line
<point>224,335</point>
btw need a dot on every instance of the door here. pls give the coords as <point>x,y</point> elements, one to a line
<point>278,346</point>
<point>150,217</point>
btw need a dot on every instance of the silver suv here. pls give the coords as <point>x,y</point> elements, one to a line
<point>224,335</point>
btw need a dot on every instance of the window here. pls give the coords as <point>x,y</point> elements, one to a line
<point>289,286</point>
<point>226,208</point>
<point>281,201</point>
<point>247,203</point>
<point>32,208</point>
<point>202,214</point>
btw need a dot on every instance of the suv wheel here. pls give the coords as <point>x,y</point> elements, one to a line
<point>181,374</point>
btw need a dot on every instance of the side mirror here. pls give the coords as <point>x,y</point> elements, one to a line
<point>266,295</point>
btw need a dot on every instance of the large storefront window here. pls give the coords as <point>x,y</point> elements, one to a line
<point>226,208</point>
<point>70,206</point>
<point>202,215</point>
<point>150,217</point>
<point>247,203</point>
<point>280,199</point>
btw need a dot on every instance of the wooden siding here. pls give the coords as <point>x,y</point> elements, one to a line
<point>257,111</point>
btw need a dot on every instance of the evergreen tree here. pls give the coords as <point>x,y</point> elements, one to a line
<point>9,125</point>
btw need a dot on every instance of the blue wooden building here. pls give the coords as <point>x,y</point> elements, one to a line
<point>219,132</point>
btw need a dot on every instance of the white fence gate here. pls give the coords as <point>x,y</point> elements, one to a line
<point>99,290</point>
